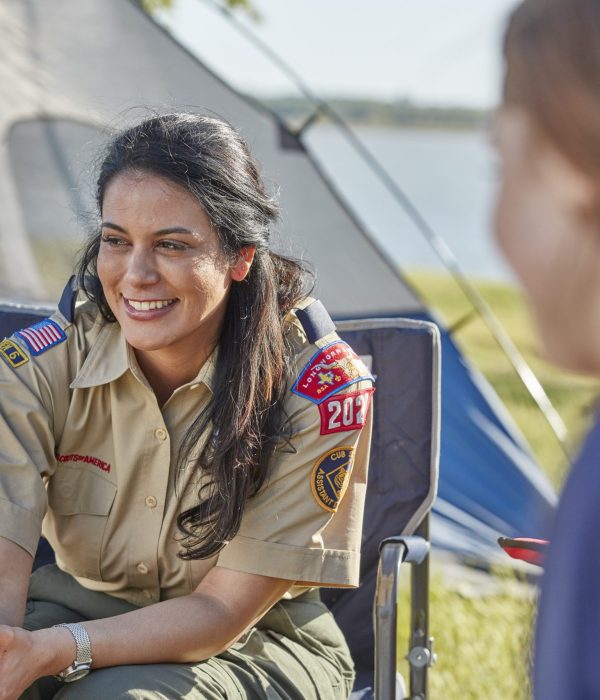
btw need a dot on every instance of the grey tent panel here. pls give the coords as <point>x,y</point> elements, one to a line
<point>52,164</point>
<point>119,62</point>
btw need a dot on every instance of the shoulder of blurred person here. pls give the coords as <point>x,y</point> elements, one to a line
<point>566,644</point>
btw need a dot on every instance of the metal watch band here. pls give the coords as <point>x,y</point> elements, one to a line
<point>82,642</point>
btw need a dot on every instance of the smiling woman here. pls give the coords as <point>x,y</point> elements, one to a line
<point>163,407</point>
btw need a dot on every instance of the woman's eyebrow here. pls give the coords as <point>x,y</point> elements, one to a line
<point>161,232</point>
<point>116,227</point>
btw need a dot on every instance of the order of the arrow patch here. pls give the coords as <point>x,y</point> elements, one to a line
<point>330,477</point>
<point>330,369</point>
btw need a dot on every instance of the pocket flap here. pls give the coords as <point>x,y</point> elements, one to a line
<point>72,490</point>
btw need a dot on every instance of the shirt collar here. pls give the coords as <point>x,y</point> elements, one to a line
<point>106,361</point>
<point>110,357</point>
<point>208,371</point>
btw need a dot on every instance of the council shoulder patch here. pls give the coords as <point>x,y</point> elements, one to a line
<point>330,477</point>
<point>42,336</point>
<point>330,369</point>
<point>344,412</point>
<point>12,353</point>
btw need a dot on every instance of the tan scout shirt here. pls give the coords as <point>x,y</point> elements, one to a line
<point>88,456</point>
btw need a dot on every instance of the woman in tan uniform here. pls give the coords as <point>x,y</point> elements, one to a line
<point>191,436</point>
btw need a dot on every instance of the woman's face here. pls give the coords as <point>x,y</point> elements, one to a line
<point>162,268</point>
<point>540,227</point>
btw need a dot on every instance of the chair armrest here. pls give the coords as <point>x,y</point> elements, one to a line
<point>393,551</point>
<point>415,548</point>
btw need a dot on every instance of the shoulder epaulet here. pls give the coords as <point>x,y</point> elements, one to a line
<point>66,305</point>
<point>315,321</point>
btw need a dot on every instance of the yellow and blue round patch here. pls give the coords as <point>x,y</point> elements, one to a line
<point>330,477</point>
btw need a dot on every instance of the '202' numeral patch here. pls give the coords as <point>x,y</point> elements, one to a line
<point>344,412</point>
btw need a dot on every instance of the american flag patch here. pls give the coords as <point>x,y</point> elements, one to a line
<point>42,335</point>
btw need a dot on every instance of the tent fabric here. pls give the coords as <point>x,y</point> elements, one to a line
<point>489,482</point>
<point>73,70</point>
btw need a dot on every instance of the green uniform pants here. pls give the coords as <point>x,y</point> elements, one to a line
<point>295,652</point>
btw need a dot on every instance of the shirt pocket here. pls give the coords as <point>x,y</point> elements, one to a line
<point>79,503</point>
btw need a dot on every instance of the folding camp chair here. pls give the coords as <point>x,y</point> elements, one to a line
<point>404,356</point>
<point>405,360</point>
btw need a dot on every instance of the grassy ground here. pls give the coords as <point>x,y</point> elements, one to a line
<point>483,641</point>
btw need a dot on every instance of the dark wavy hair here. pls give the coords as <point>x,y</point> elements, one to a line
<point>208,158</point>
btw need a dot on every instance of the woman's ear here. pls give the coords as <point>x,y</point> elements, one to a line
<point>570,185</point>
<point>242,265</point>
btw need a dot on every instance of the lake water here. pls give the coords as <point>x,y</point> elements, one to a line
<point>450,176</point>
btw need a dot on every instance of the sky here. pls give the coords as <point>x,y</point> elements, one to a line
<point>433,52</point>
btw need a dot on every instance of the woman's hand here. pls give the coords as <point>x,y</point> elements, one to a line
<point>26,656</point>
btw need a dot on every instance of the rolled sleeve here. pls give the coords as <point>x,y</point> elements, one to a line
<point>289,529</point>
<point>26,452</point>
<point>19,525</point>
<point>310,565</point>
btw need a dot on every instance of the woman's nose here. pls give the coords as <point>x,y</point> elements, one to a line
<point>141,268</point>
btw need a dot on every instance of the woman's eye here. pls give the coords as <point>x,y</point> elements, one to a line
<point>172,245</point>
<point>113,240</point>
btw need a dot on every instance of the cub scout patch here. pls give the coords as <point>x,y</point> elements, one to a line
<point>332,368</point>
<point>12,353</point>
<point>342,412</point>
<point>330,477</point>
<point>42,336</point>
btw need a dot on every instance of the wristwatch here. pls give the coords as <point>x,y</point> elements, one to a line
<point>83,661</point>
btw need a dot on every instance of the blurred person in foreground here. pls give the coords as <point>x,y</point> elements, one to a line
<point>548,225</point>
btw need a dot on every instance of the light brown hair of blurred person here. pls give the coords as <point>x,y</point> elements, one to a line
<point>547,133</point>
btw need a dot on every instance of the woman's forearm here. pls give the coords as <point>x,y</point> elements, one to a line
<point>15,569</point>
<point>186,629</point>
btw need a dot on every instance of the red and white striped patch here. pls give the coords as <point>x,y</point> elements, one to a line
<point>42,336</point>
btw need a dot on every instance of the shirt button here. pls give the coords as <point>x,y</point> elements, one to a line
<point>151,501</point>
<point>160,433</point>
<point>142,568</point>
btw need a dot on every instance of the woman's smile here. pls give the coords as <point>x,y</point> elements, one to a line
<point>148,309</point>
<point>147,305</point>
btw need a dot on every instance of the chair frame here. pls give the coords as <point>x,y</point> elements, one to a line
<point>409,548</point>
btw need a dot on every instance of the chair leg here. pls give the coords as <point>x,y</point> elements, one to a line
<point>393,551</point>
<point>385,615</point>
<point>420,656</point>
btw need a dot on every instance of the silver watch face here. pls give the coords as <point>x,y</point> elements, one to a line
<point>76,675</point>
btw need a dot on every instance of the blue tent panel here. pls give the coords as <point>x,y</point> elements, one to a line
<point>490,484</point>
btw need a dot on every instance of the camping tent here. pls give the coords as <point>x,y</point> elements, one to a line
<point>73,69</point>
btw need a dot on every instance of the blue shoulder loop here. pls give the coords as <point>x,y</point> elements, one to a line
<point>316,321</point>
<point>66,305</point>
